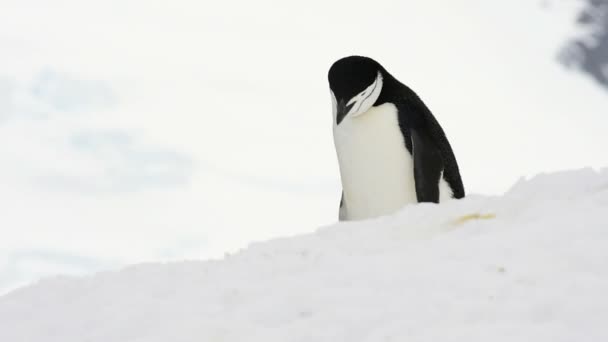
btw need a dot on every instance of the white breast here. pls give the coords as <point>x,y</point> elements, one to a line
<point>376,169</point>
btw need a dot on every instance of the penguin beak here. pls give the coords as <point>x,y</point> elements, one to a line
<point>343,109</point>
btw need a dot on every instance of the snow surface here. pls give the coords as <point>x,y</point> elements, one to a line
<point>531,265</point>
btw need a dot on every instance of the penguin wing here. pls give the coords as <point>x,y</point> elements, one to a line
<point>342,210</point>
<point>428,166</point>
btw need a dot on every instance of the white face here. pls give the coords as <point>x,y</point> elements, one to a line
<point>363,101</point>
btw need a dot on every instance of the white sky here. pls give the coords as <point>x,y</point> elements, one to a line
<point>151,130</point>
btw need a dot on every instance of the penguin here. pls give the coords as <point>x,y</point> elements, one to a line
<point>391,150</point>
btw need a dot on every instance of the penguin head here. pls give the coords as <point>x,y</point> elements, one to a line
<point>355,83</point>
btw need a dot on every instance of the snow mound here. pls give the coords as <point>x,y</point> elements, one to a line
<point>531,265</point>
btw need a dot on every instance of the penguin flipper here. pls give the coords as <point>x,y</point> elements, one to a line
<point>428,166</point>
<point>342,211</point>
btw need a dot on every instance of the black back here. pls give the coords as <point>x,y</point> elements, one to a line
<point>414,114</point>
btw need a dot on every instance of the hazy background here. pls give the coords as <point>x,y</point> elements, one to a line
<point>139,130</point>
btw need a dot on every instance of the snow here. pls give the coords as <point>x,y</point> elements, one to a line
<point>531,265</point>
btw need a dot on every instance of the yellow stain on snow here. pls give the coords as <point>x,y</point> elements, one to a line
<point>477,216</point>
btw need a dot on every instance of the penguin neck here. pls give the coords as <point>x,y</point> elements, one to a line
<point>410,108</point>
<point>392,90</point>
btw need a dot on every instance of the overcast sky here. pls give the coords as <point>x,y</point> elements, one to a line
<point>140,130</point>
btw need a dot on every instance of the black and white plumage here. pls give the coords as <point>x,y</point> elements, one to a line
<point>391,149</point>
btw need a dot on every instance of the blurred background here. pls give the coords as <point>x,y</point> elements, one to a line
<point>145,131</point>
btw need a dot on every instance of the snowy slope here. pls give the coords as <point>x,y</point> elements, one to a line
<point>531,265</point>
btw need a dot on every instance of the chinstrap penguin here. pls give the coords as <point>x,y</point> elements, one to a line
<point>391,149</point>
